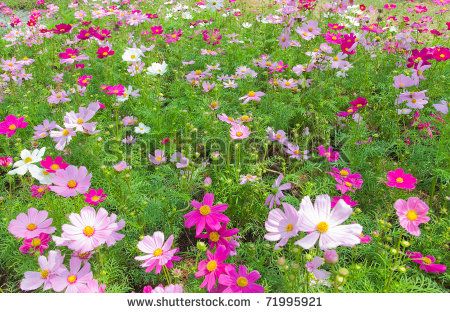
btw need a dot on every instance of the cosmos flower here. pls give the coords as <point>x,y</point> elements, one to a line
<point>324,224</point>
<point>10,125</point>
<point>427,263</point>
<point>239,132</point>
<point>71,181</point>
<point>157,252</point>
<point>158,158</point>
<point>223,236</point>
<point>75,279</point>
<point>240,281</point>
<point>328,153</point>
<point>50,268</point>
<point>157,69</point>
<point>36,244</point>
<point>399,179</point>
<point>212,267</point>
<point>28,159</point>
<point>88,230</point>
<point>172,288</point>
<point>411,213</point>
<point>31,225</point>
<point>252,96</point>
<point>132,55</point>
<point>95,196</point>
<point>313,267</point>
<point>282,225</point>
<point>206,214</point>
<point>277,192</point>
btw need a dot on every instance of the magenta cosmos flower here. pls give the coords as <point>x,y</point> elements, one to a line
<point>88,230</point>
<point>31,225</point>
<point>10,125</point>
<point>426,262</point>
<point>95,196</point>
<point>212,267</point>
<point>158,252</point>
<point>50,268</point>
<point>71,181</point>
<point>324,224</point>
<point>206,214</point>
<point>240,281</point>
<point>282,225</point>
<point>328,153</point>
<point>411,213</point>
<point>399,179</point>
<point>223,236</point>
<point>75,279</point>
<point>32,245</point>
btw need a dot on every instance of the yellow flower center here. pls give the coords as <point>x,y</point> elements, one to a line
<point>158,252</point>
<point>31,227</point>
<point>198,72</point>
<point>95,198</point>
<point>336,58</point>
<point>242,281</point>
<point>426,260</point>
<point>105,53</point>
<point>65,132</point>
<point>441,55</point>
<point>88,231</point>
<point>12,127</point>
<point>211,266</point>
<point>399,180</point>
<point>251,94</point>
<point>239,134</point>
<point>36,242</point>
<point>322,227</point>
<point>334,37</point>
<point>54,167</point>
<point>289,227</point>
<point>205,210</point>
<point>28,160</point>
<point>411,215</point>
<point>80,121</point>
<point>214,236</point>
<point>40,189</point>
<point>343,172</point>
<point>348,184</point>
<point>245,118</point>
<point>44,274</point>
<point>72,184</point>
<point>71,279</point>
<point>158,158</point>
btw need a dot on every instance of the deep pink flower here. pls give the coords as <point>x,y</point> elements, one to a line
<point>6,161</point>
<point>411,213</point>
<point>52,165</point>
<point>32,224</point>
<point>71,181</point>
<point>212,267</point>
<point>39,243</point>
<point>10,125</point>
<point>38,191</point>
<point>95,196</point>
<point>426,262</point>
<point>347,199</point>
<point>223,236</point>
<point>399,179</point>
<point>240,281</point>
<point>206,214</point>
<point>328,153</point>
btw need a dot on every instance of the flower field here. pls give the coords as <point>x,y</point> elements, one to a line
<point>224,146</point>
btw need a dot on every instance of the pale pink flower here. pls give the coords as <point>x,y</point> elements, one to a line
<point>32,224</point>
<point>71,181</point>
<point>75,279</point>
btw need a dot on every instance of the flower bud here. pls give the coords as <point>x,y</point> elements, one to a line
<point>343,271</point>
<point>201,246</point>
<point>331,256</point>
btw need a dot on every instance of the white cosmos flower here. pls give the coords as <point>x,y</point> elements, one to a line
<point>141,129</point>
<point>41,175</point>
<point>157,68</point>
<point>27,163</point>
<point>324,224</point>
<point>246,25</point>
<point>132,55</point>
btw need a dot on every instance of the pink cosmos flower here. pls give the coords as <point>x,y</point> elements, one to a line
<point>157,252</point>
<point>71,181</point>
<point>115,236</point>
<point>75,279</point>
<point>330,256</point>
<point>313,267</point>
<point>347,199</point>
<point>52,165</point>
<point>279,135</point>
<point>50,268</point>
<point>6,161</point>
<point>252,96</point>
<point>121,166</point>
<point>206,214</point>
<point>323,224</point>
<point>88,230</point>
<point>223,236</point>
<point>414,100</point>
<point>172,288</point>
<point>95,196</point>
<point>92,286</point>
<point>328,153</point>
<point>239,132</point>
<point>158,158</point>
<point>10,125</point>
<point>240,281</point>
<point>277,192</point>
<point>58,97</point>
<point>426,262</point>
<point>38,191</point>
<point>282,225</point>
<point>31,225</point>
<point>403,81</point>
<point>62,136</point>
<point>399,179</point>
<point>36,244</point>
<point>411,214</point>
<point>212,267</point>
